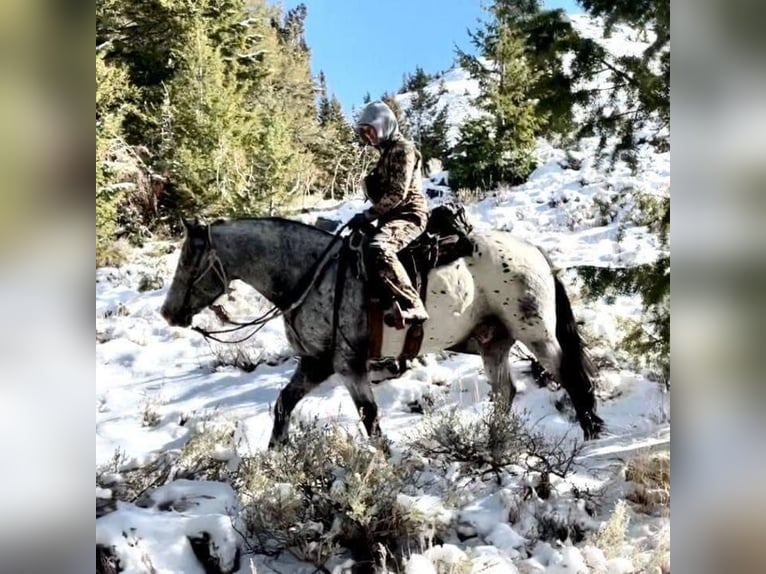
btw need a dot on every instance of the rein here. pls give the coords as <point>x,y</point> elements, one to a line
<point>274,312</point>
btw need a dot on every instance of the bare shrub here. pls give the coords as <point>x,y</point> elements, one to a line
<point>465,195</point>
<point>204,457</point>
<point>492,442</point>
<point>322,491</point>
<point>244,356</point>
<point>207,453</point>
<point>151,281</point>
<point>151,417</point>
<point>129,482</point>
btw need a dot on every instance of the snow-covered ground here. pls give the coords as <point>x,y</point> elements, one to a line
<point>152,379</point>
<point>156,383</point>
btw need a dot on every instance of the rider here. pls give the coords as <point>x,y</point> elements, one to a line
<point>398,204</point>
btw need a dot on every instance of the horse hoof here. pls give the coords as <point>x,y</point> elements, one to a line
<point>592,426</point>
<point>276,443</point>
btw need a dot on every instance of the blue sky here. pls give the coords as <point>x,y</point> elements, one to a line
<point>367,45</point>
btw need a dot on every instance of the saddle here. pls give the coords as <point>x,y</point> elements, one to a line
<point>445,240</point>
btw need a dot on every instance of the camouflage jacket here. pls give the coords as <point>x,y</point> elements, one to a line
<point>394,187</point>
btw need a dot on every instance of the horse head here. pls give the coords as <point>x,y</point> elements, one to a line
<point>199,280</point>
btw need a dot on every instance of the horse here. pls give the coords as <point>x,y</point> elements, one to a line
<point>505,290</point>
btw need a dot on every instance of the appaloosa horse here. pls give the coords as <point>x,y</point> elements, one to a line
<point>504,291</point>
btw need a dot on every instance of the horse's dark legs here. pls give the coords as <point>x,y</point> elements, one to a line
<point>358,385</point>
<point>494,353</point>
<point>309,373</point>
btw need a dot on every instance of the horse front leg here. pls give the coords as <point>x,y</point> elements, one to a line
<point>358,385</point>
<point>309,373</point>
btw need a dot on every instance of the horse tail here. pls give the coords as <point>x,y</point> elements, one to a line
<point>576,370</point>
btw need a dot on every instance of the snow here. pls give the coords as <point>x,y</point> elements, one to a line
<point>578,216</point>
<point>138,533</point>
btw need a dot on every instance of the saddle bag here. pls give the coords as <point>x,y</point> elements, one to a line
<point>449,221</point>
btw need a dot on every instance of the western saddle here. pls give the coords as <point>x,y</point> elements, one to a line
<point>445,239</point>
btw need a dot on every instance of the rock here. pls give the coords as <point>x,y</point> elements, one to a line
<point>465,531</point>
<point>106,561</point>
<point>207,552</point>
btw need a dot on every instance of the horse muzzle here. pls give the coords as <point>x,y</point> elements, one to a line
<point>176,319</point>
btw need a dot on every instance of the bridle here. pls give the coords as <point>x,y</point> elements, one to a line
<point>216,265</point>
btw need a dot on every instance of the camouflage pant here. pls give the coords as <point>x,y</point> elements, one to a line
<point>391,238</point>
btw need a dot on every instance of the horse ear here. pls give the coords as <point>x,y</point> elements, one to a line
<point>187,224</point>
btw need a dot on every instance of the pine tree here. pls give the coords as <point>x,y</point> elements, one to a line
<point>511,121</point>
<point>427,122</point>
<point>648,340</point>
<point>632,98</point>
<point>292,31</point>
<point>113,94</point>
<point>417,81</point>
<point>642,82</point>
<point>205,111</point>
<point>335,149</point>
<point>323,106</point>
<point>223,106</point>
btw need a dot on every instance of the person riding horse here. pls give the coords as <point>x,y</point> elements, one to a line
<point>394,188</point>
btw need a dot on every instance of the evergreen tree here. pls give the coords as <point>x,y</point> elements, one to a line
<point>417,81</point>
<point>634,90</point>
<point>632,97</point>
<point>323,107</point>
<point>292,31</point>
<point>427,122</point>
<point>511,122</point>
<point>207,124</point>
<point>113,94</point>
<point>648,340</point>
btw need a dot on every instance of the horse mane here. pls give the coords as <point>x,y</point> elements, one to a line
<point>282,221</point>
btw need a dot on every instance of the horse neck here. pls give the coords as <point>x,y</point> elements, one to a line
<point>271,255</point>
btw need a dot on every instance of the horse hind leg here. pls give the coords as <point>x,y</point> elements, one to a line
<point>573,372</point>
<point>495,343</point>
<point>309,373</point>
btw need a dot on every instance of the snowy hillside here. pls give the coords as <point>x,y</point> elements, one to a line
<point>165,397</point>
<point>461,89</point>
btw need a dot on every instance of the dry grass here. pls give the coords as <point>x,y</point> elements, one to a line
<point>658,561</point>
<point>465,195</point>
<point>650,475</point>
<point>151,416</point>
<point>612,536</point>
